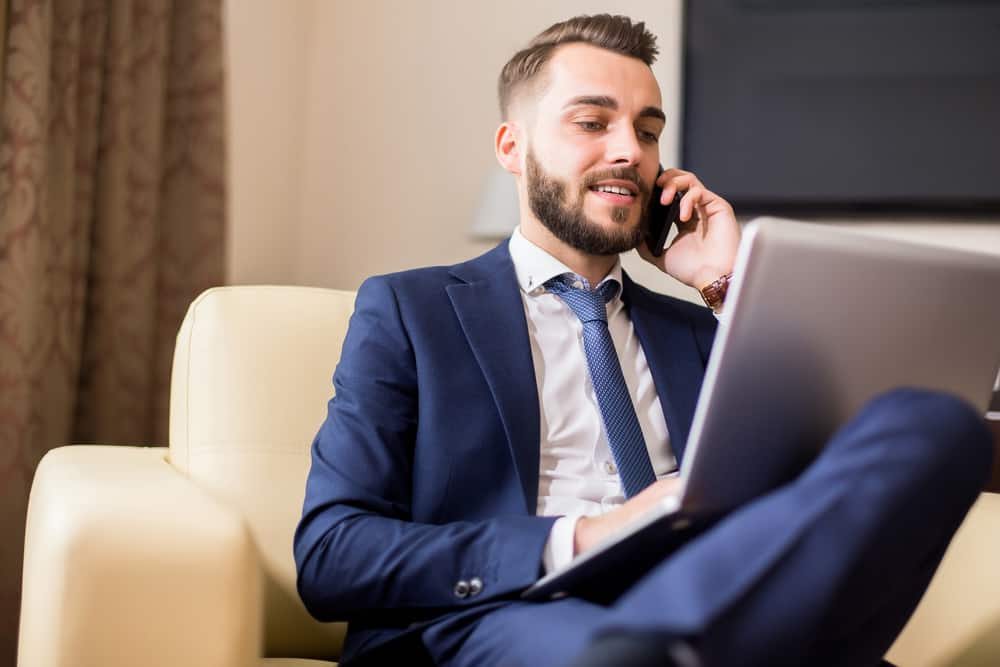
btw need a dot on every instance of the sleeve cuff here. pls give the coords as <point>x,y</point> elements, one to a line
<point>559,548</point>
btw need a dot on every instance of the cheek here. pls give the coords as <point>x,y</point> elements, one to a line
<point>651,169</point>
<point>570,168</point>
<point>573,153</point>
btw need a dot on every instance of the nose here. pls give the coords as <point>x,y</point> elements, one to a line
<point>623,146</point>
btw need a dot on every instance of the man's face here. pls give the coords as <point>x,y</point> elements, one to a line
<point>593,148</point>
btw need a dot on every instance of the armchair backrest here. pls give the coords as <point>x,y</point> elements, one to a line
<point>250,384</point>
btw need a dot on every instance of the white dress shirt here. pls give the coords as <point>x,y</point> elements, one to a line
<point>577,474</point>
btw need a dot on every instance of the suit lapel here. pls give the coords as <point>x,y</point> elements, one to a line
<point>489,308</point>
<point>668,341</point>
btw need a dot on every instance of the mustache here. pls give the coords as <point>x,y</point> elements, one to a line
<point>618,173</point>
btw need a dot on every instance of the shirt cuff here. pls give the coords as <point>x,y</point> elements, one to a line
<point>559,548</point>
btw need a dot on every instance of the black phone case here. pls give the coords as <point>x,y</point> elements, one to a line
<point>660,219</point>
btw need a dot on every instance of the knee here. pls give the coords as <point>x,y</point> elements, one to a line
<point>950,433</point>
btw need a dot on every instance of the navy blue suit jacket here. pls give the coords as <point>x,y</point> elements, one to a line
<point>425,471</point>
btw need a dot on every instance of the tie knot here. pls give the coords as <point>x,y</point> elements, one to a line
<point>588,305</point>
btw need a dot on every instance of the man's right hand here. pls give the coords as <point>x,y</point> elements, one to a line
<point>591,530</point>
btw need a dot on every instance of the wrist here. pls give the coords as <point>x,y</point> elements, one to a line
<point>707,275</point>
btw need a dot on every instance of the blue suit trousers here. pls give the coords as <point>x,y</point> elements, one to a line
<point>825,570</point>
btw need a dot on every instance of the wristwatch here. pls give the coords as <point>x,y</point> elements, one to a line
<point>714,293</point>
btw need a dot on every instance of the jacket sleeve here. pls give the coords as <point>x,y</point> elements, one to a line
<point>357,549</point>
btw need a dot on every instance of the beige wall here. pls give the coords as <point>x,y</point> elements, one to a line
<point>266,61</point>
<point>361,132</point>
<point>400,119</point>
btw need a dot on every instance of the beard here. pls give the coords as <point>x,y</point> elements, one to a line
<point>566,220</point>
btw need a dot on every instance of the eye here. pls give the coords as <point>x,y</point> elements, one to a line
<point>649,137</point>
<point>590,125</point>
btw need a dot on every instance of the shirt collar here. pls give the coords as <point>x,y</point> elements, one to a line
<point>534,266</point>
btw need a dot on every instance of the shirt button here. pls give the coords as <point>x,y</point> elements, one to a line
<point>610,468</point>
<point>475,586</point>
<point>461,589</point>
<point>577,284</point>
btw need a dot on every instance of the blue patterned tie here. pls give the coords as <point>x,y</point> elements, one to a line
<point>617,411</point>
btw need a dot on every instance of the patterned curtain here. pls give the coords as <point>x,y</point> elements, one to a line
<point>112,214</point>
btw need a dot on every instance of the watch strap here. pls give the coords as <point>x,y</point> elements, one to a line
<point>714,294</point>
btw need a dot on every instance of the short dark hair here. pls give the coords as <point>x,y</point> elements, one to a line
<point>614,33</point>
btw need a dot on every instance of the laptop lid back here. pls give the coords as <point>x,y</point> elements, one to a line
<point>819,321</point>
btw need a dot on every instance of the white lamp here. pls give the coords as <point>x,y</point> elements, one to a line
<point>499,211</point>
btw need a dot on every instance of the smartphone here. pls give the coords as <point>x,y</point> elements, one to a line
<point>660,218</point>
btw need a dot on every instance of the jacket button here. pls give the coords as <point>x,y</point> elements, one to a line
<point>461,589</point>
<point>475,586</point>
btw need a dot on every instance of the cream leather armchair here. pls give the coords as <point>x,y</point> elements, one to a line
<point>177,556</point>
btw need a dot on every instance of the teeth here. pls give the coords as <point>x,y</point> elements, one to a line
<point>613,189</point>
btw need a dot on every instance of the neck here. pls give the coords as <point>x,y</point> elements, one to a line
<point>592,267</point>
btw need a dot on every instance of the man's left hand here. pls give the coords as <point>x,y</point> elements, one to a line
<point>707,234</point>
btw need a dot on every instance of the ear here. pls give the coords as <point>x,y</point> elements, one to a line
<point>509,146</point>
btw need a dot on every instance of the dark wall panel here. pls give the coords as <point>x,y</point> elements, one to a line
<point>817,106</point>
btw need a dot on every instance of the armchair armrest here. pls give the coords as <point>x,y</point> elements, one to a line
<point>128,562</point>
<point>962,604</point>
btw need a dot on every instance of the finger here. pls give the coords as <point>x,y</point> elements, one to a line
<point>682,179</point>
<point>671,485</point>
<point>650,497</point>
<point>683,182</point>
<point>667,195</point>
<point>692,197</point>
<point>674,172</point>
<point>671,189</point>
<point>709,200</point>
<point>716,205</point>
<point>668,188</point>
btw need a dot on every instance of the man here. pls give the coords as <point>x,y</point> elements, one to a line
<point>478,437</point>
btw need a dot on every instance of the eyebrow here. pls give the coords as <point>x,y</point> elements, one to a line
<point>606,102</point>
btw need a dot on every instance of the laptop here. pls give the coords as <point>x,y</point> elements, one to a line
<point>818,321</point>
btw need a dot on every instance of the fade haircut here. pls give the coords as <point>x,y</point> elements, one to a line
<point>614,33</point>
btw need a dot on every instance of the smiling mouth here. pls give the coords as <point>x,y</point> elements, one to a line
<point>614,194</point>
<point>612,189</point>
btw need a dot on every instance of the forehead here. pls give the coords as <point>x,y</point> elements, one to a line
<point>582,69</point>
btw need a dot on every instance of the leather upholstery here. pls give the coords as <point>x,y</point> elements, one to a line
<point>251,379</point>
<point>960,613</point>
<point>149,556</point>
<point>128,563</point>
